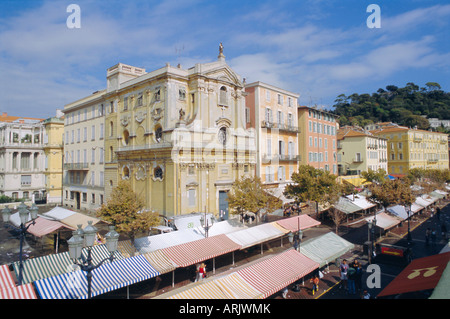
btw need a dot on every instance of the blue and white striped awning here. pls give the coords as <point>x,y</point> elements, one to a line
<point>106,278</point>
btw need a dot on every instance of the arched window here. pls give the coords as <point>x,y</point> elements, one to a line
<point>158,134</point>
<point>158,173</point>
<point>125,137</point>
<point>223,96</point>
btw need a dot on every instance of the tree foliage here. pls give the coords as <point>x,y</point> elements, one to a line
<point>125,210</point>
<point>378,176</point>
<point>405,106</point>
<point>392,192</point>
<point>248,195</point>
<point>312,184</point>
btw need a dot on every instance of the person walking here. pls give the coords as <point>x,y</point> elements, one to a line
<point>315,281</point>
<point>351,276</point>
<point>202,271</point>
<point>358,275</point>
<point>343,268</point>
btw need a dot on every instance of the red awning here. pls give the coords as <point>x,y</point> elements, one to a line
<point>292,223</point>
<point>44,226</point>
<point>273,274</point>
<point>196,251</point>
<point>420,274</point>
<point>6,278</point>
<point>19,292</point>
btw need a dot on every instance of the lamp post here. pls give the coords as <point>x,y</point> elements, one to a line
<point>409,237</point>
<point>86,238</point>
<point>23,214</point>
<point>371,231</point>
<point>205,223</point>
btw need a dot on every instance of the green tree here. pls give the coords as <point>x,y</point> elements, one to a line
<point>392,192</point>
<point>312,184</point>
<point>125,210</point>
<point>378,176</point>
<point>247,195</point>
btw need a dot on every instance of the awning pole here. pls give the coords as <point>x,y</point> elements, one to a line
<point>233,258</point>
<point>214,265</point>
<point>128,292</point>
<point>173,278</point>
<point>261,248</point>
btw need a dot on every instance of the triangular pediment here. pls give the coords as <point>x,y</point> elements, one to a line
<point>222,72</point>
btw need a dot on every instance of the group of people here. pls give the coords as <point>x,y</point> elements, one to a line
<point>351,278</point>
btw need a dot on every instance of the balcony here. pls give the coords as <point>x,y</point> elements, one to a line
<point>76,166</point>
<point>433,160</point>
<point>280,127</point>
<point>280,158</point>
<point>357,160</point>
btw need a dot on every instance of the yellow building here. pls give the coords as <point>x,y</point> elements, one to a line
<point>53,150</point>
<point>178,135</point>
<point>360,151</point>
<point>413,148</point>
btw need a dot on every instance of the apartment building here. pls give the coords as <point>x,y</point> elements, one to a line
<point>83,175</point>
<point>22,157</point>
<point>413,148</point>
<point>360,151</point>
<point>272,112</point>
<point>317,142</point>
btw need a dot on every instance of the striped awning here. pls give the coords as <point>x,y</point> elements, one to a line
<point>160,261</point>
<point>207,290</point>
<point>292,223</point>
<point>256,235</point>
<point>235,287</point>
<point>19,292</point>
<point>99,253</point>
<point>6,278</point>
<point>273,274</point>
<point>44,267</point>
<point>193,252</point>
<point>44,226</point>
<point>106,278</point>
<point>126,248</point>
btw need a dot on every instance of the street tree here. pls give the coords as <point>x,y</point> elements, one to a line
<point>312,184</point>
<point>392,192</point>
<point>247,195</point>
<point>378,176</point>
<point>125,210</point>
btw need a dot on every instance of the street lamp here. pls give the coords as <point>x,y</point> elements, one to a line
<point>86,238</point>
<point>371,224</point>
<point>24,213</point>
<point>205,223</point>
<point>409,237</point>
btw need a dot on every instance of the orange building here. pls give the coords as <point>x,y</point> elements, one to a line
<point>317,141</point>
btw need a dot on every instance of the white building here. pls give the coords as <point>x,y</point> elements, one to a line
<point>22,159</point>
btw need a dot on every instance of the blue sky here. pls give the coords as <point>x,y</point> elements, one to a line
<point>318,49</point>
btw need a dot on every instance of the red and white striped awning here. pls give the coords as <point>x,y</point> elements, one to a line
<point>19,292</point>
<point>196,251</point>
<point>44,226</point>
<point>6,278</point>
<point>8,288</point>
<point>273,274</point>
<point>292,223</point>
